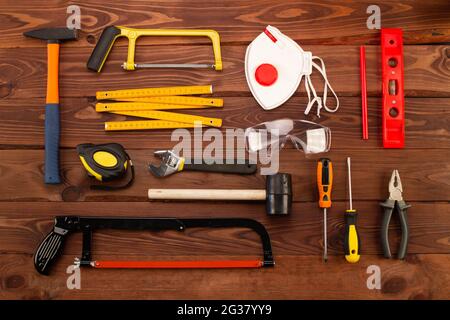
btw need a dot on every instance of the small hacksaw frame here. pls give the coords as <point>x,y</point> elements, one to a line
<point>111,33</point>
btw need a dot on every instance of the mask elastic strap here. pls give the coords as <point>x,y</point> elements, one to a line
<point>321,102</point>
<point>310,88</point>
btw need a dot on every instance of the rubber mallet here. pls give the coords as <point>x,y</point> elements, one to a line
<point>278,194</point>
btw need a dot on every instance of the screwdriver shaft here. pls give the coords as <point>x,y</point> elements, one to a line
<point>349,182</point>
<point>325,240</point>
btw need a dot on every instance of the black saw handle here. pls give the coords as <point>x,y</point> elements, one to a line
<point>240,168</point>
<point>48,252</point>
<point>102,48</point>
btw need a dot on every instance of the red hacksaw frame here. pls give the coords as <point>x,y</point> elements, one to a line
<point>178,264</point>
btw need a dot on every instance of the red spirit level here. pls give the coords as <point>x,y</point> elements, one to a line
<point>393,116</point>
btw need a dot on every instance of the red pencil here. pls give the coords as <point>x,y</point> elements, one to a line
<point>365,127</point>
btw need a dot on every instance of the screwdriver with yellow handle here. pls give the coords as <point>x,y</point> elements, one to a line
<point>325,184</point>
<point>352,243</point>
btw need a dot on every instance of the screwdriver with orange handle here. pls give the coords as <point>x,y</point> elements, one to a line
<point>325,184</point>
<point>352,243</point>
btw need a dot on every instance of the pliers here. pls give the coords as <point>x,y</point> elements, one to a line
<point>395,201</point>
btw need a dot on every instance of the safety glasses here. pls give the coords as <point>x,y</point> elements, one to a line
<point>306,136</point>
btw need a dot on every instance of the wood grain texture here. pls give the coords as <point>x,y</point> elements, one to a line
<point>427,70</point>
<point>427,123</point>
<point>420,277</point>
<point>330,29</point>
<point>324,22</point>
<point>23,176</point>
<point>24,225</point>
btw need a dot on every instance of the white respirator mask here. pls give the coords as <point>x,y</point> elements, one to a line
<point>274,67</point>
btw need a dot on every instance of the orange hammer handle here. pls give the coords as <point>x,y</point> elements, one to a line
<point>52,73</point>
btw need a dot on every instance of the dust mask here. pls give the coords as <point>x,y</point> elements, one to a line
<point>274,67</point>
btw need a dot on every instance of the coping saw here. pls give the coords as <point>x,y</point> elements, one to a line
<point>111,33</point>
<point>51,247</point>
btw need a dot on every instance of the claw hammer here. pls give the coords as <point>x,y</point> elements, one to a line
<point>54,37</point>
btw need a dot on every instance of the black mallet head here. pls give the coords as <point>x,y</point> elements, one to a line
<point>279,194</point>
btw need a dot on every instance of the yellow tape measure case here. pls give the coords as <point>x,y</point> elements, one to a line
<point>105,162</point>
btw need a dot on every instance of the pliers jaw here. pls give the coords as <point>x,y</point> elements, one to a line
<point>170,163</point>
<point>395,187</point>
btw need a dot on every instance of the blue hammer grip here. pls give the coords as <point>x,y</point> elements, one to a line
<point>51,171</point>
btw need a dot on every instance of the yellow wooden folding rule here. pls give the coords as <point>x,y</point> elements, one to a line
<point>147,103</point>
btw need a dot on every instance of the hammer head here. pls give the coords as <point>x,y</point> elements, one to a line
<point>278,194</point>
<point>52,34</point>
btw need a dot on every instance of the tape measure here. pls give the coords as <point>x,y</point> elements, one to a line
<point>154,92</point>
<point>106,162</point>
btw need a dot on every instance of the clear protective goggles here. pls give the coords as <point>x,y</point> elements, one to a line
<point>305,135</point>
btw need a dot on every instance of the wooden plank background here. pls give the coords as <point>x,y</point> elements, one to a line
<point>330,29</point>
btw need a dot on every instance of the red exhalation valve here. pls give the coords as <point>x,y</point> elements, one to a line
<point>266,74</point>
<point>393,116</point>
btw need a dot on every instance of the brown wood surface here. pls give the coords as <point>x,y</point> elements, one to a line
<point>427,65</point>
<point>332,30</point>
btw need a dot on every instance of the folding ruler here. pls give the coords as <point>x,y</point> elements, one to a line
<point>148,103</point>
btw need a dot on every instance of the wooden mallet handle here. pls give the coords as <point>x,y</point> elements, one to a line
<point>206,194</point>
